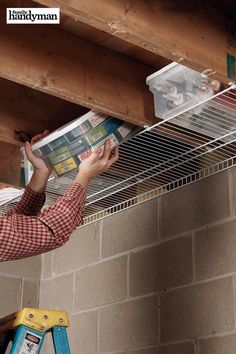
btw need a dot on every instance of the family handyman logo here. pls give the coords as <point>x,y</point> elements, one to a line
<point>40,15</point>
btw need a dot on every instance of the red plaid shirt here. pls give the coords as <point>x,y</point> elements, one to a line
<point>26,231</point>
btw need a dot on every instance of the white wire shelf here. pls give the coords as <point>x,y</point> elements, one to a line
<point>173,153</point>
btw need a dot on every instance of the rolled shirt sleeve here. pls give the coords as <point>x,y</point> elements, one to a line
<point>24,236</point>
<point>31,203</point>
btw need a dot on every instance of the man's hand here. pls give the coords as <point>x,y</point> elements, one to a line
<point>95,164</point>
<point>37,162</point>
<point>41,173</point>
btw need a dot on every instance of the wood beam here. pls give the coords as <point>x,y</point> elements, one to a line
<point>64,65</point>
<point>10,163</point>
<point>200,34</point>
<point>25,112</point>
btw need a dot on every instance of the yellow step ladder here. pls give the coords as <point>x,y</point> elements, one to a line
<point>26,330</point>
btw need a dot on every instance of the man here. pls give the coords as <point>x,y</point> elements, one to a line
<point>26,231</point>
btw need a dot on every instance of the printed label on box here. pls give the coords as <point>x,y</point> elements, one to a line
<point>96,120</point>
<point>84,155</point>
<point>58,142</point>
<point>78,147</point>
<point>44,150</point>
<point>59,155</point>
<point>65,166</point>
<point>80,130</point>
<point>113,141</point>
<point>124,130</point>
<point>96,134</point>
<point>112,124</point>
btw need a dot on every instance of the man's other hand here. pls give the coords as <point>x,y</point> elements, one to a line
<point>38,164</point>
<point>96,164</point>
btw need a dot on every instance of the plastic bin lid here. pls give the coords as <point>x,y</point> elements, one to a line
<point>63,130</point>
<point>163,70</point>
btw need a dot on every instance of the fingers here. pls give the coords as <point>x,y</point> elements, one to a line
<point>116,152</point>
<point>107,150</point>
<point>39,136</point>
<point>94,165</point>
<point>113,157</point>
<point>95,155</point>
<point>28,147</point>
<point>45,133</point>
<point>28,150</point>
<point>107,159</point>
<point>36,138</point>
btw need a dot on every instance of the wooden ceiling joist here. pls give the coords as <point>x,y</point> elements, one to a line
<point>10,163</point>
<point>201,34</point>
<point>25,112</point>
<point>66,66</point>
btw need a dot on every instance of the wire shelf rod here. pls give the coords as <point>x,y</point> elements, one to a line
<point>153,175</point>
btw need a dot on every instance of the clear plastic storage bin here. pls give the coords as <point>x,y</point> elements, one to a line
<point>177,88</point>
<point>64,149</point>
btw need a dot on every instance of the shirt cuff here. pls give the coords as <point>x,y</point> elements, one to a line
<point>66,214</point>
<point>31,202</point>
<point>75,190</point>
<point>37,197</point>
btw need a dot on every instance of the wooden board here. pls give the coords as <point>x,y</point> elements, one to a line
<point>63,65</point>
<point>10,163</point>
<point>27,112</point>
<point>200,34</point>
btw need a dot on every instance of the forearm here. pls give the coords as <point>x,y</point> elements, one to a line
<point>22,236</point>
<point>66,214</point>
<point>30,204</point>
<point>39,181</point>
<point>33,197</point>
<point>82,179</point>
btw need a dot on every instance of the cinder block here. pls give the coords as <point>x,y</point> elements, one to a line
<point>129,324</point>
<point>164,266</point>
<point>83,333</point>
<point>48,347</point>
<point>197,310</point>
<point>131,228</point>
<point>57,294</point>
<point>101,284</point>
<point>46,265</point>
<point>80,250</point>
<point>233,191</point>
<point>216,250</point>
<point>218,345</point>
<point>183,348</point>
<point>30,294</point>
<point>153,350</point>
<point>10,295</point>
<point>198,204</point>
<point>28,267</point>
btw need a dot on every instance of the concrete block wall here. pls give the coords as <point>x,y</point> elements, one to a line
<point>19,284</point>
<point>159,278</point>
